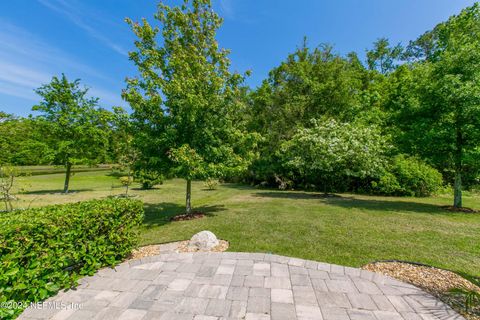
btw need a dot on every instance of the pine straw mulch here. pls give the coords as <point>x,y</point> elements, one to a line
<point>176,247</point>
<point>435,281</point>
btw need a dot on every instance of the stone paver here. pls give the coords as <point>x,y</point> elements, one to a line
<point>229,285</point>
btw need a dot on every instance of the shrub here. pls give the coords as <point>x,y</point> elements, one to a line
<point>149,179</point>
<point>46,249</point>
<point>211,184</point>
<point>409,176</point>
<point>330,151</point>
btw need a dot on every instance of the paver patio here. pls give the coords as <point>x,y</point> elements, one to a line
<point>252,286</point>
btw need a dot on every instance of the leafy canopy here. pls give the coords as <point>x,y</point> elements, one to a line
<point>184,101</point>
<point>73,121</point>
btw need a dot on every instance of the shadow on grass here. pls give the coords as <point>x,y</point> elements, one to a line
<point>56,191</point>
<point>352,202</point>
<point>143,189</point>
<point>296,195</point>
<point>162,213</point>
<point>116,174</point>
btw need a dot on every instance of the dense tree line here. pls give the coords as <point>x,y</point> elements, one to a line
<point>403,122</point>
<point>420,103</point>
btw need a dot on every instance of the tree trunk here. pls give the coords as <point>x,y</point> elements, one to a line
<point>457,193</point>
<point>188,202</point>
<point>457,188</point>
<point>67,178</point>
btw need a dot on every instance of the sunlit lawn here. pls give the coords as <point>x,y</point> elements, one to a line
<point>344,229</point>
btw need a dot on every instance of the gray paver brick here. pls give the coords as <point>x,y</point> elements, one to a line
<point>110,313</point>
<point>277,283</point>
<point>254,281</point>
<point>387,315</point>
<point>304,296</point>
<point>259,292</point>
<point>124,299</point>
<point>300,280</point>
<point>361,301</point>
<point>258,305</point>
<point>141,304</point>
<point>332,299</point>
<point>345,286</point>
<point>400,304</point>
<point>238,309</point>
<point>213,292</point>
<point>222,279</point>
<point>132,314</point>
<point>283,311</point>
<point>282,296</point>
<point>237,293</point>
<point>257,316</point>
<point>308,312</point>
<point>334,314</point>
<point>218,308</point>
<point>382,303</point>
<point>228,286</point>
<point>179,284</point>
<point>361,315</point>
<point>192,305</point>
<point>279,270</point>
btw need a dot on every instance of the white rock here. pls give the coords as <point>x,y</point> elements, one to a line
<point>204,240</point>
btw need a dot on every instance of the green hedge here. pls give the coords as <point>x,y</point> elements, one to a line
<point>46,249</point>
<point>408,176</point>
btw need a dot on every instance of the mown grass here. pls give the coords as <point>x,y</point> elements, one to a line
<point>343,229</point>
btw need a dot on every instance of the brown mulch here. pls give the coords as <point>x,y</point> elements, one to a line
<point>146,251</point>
<point>463,209</point>
<point>186,217</point>
<point>437,282</point>
<point>180,246</point>
<point>222,246</point>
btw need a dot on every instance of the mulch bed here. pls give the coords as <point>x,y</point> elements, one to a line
<point>222,246</point>
<point>437,282</point>
<point>463,209</point>
<point>180,246</point>
<point>187,217</point>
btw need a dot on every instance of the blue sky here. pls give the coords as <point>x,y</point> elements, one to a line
<point>88,39</point>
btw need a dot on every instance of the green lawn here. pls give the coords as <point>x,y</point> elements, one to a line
<point>344,229</point>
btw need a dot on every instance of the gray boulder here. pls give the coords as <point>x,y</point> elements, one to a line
<point>203,241</point>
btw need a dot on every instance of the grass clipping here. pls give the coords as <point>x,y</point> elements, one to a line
<point>437,282</point>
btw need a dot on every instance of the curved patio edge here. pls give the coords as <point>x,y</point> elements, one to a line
<point>237,285</point>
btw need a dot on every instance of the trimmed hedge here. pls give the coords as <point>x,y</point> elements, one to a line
<point>43,250</point>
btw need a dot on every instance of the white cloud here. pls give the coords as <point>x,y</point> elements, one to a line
<point>18,44</point>
<point>27,62</point>
<point>16,91</point>
<point>77,17</point>
<point>227,8</point>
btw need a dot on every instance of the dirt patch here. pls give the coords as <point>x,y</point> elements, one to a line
<point>463,209</point>
<point>437,282</point>
<point>186,217</point>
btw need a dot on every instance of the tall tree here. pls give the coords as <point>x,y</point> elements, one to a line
<point>184,99</point>
<point>74,123</point>
<point>309,84</point>
<point>384,57</point>
<point>444,115</point>
<point>22,141</point>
